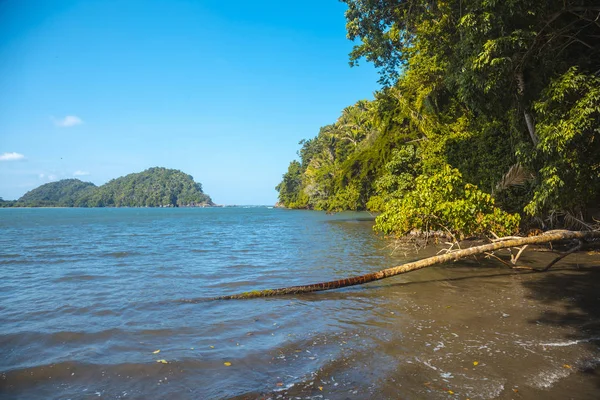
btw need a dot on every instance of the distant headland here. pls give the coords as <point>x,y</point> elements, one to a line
<point>154,187</point>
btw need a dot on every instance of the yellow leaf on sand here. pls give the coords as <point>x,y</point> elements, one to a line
<point>567,366</point>
<point>321,388</point>
<point>156,352</point>
<point>450,392</point>
<point>475,363</point>
<point>162,361</point>
<point>227,364</point>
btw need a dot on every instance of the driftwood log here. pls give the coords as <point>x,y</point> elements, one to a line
<point>497,244</point>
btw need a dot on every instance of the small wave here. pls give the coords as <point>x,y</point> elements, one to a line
<point>56,338</point>
<point>104,312</point>
<point>53,244</point>
<point>191,300</point>
<point>570,342</point>
<point>547,379</point>
<point>168,332</point>
<point>10,255</point>
<point>14,262</point>
<point>57,261</point>
<point>95,309</point>
<point>119,254</point>
<point>76,278</point>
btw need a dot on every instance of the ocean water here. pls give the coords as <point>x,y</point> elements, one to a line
<point>116,303</point>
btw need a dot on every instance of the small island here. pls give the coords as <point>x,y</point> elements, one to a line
<point>154,187</point>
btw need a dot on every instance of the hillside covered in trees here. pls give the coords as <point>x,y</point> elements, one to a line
<point>488,119</point>
<point>64,193</point>
<point>154,187</point>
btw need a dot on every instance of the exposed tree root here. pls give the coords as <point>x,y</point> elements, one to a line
<point>453,255</point>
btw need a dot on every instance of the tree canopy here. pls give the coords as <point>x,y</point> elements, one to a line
<point>154,187</point>
<point>63,193</point>
<point>499,101</point>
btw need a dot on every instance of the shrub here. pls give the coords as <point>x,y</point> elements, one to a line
<point>443,202</point>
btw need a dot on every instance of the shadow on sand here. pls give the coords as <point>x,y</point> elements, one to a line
<point>572,294</point>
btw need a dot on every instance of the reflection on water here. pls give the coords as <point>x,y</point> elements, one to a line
<point>89,296</point>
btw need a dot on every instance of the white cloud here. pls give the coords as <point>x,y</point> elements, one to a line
<point>11,156</point>
<point>68,121</point>
<point>80,173</point>
<point>44,176</point>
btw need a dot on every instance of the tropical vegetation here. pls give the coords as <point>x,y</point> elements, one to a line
<point>154,187</point>
<point>63,193</point>
<point>487,121</point>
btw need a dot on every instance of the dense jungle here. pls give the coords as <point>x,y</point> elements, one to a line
<point>487,119</point>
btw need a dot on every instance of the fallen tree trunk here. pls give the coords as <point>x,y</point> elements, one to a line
<point>547,237</point>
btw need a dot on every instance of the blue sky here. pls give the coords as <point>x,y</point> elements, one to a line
<point>222,90</point>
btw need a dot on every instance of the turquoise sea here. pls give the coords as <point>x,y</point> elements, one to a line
<point>115,303</point>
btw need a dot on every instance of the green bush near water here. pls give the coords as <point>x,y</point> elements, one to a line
<point>444,202</point>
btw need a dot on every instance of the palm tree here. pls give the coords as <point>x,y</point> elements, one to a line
<point>355,123</point>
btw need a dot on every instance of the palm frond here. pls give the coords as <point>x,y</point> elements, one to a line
<point>573,222</point>
<point>517,175</point>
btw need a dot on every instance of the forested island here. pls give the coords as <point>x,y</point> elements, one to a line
<point>154,187</point>
<point>488,120</point>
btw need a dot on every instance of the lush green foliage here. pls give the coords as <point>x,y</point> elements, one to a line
<point>398,178</point>
<point>443,202</point>
<point>7,203</point>
<point>154,187</point>
<point>500,100</point>
<point>569,149</point>
<point>289,189</point>
<point>63,193</point>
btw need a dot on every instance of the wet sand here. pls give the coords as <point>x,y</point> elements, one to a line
<point>469,330</point>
